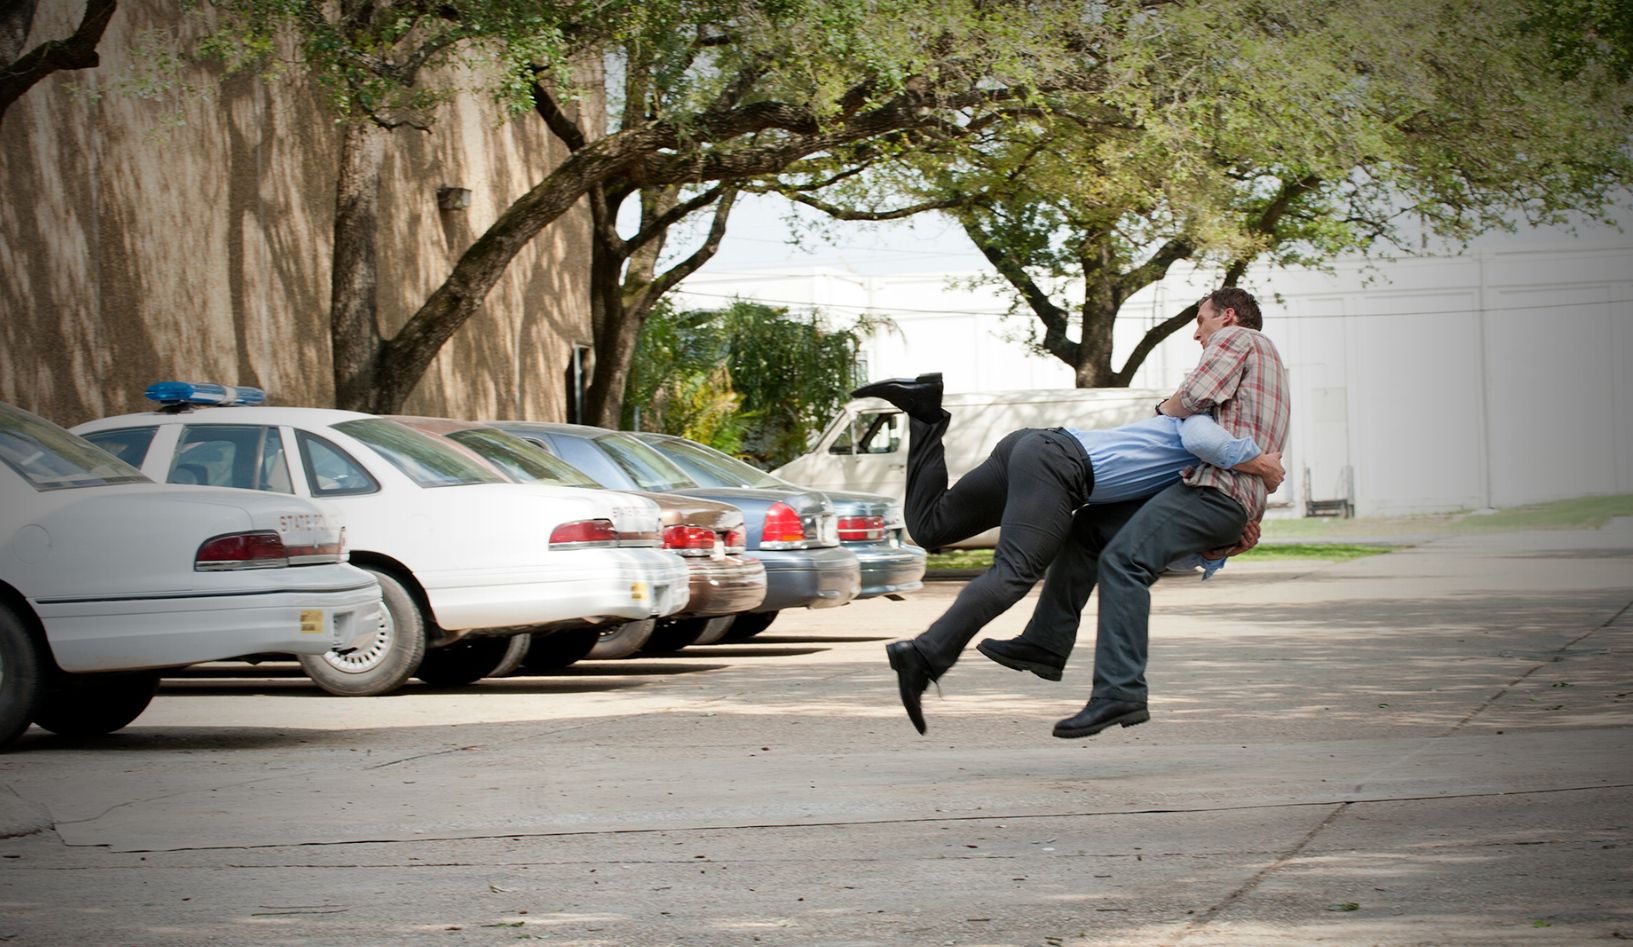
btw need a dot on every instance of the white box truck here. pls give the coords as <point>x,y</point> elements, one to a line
<point>865,447</point>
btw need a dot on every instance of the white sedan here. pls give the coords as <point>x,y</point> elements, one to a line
<point>465,559</point>
<point>106,576</point>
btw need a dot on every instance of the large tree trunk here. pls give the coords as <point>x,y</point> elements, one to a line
<point>354,329</point>
<point>612,340</point>
<point>627,300</point>
<point>1101,301</point>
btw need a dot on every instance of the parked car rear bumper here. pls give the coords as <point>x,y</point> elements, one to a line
<point>810,578</point>
<point>887,568</point>
<point>587,585</point>
<point>331,608</point>
<point>725,586</point>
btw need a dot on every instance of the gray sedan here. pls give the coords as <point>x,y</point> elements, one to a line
<point>870,524</point>
<point>794,531</point>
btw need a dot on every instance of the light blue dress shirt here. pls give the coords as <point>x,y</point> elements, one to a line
<point>1141,459</point>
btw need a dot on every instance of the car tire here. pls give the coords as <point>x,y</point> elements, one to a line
<point>716,629</point>
<point>621,641</point>
<point>515,655</point>
<point>673,634</point>
<point>749,624</point>
<point>89,705</point>
<point>22,676</point>
<point>464,662</point>
<point>556,650</point>
<point>387,659</point>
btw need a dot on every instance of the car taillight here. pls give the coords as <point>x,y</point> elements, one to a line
<point>581,533</point>
<point>317,553</point>
<point>861,528</point>
<point>313,554</point>
<point>783,529</point>
<point>637,527</point>
<point>735,541</point>
<point>689,540</point>
<point>639,537</point>
<point>258,550</point>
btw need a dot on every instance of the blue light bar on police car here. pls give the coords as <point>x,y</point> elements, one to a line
<point>186,392</point>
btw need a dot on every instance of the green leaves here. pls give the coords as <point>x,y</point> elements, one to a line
<point>395,63</point>
<point>1230,131</point>
<point>749,379</point>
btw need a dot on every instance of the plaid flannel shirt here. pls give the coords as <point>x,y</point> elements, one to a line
<point>1242,381</point>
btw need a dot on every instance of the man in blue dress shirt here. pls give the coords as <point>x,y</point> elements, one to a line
<point>1029,487</point>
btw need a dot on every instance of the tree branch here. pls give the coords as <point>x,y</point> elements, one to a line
<point>1153,337</point>
<point>1176,250</point>
<point>703,254</point>
<point>1053,317</point>
<point>1157,266</point>
<point>604,204</point>
<point>662,222</point>
<point>557,120</point>
<point>846,213</point>
<point>76,52</point>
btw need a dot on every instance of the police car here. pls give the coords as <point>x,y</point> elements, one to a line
<point>106,576</point>
<point>465,559</point>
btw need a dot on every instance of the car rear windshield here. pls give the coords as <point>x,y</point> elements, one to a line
<point>649,469</point>
<point>418,456</point>
<point>526,462</point>
<point>50,458</point>
<point>712,468</point>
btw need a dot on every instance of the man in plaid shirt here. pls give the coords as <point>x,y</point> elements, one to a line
<point>1241,378</point>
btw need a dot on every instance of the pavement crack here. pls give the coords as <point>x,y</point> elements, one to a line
<point>1206,917</point>
<point>862,823</point>
<point>445,751</point>
<point>1506,688</point>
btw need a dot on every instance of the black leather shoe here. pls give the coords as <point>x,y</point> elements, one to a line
<point>912,677</point>
<point>1100,713</point>
<point>1017,655</point>
<point>920,397</point>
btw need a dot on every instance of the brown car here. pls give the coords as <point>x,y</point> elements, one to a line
<point>707,534</point>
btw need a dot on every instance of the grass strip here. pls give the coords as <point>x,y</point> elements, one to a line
<point>982,558</point>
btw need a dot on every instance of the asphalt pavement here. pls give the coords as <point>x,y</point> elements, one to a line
<point>1433,746</point>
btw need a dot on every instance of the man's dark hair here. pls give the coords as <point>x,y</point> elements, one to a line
<point>1247,308</point>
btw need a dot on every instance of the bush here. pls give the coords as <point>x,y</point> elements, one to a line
<point>752,380</point>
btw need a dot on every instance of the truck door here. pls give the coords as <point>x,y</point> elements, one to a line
<point>872,452</point>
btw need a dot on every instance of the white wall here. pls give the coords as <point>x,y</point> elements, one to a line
<point>1494,376</point>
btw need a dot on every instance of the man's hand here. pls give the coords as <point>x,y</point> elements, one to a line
<point>1267,467</point>
<point>1250,538</point>
<point>1174,408</point>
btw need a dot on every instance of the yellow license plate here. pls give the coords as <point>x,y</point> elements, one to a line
<point>638,591</point>
<point>311,621</point>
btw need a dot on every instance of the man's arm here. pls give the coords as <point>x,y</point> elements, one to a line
<point>1214,379</point>
<point>1267,467</point>
<point>1201,435</point>
<point>1174,408</point>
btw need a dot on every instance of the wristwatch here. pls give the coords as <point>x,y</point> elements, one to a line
<point>1159,408</point>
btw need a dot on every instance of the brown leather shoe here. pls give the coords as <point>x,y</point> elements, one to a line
<point>1100,713</point>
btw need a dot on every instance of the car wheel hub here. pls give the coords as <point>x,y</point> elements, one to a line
<point>369,654</point>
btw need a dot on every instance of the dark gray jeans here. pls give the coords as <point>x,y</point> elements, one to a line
<point>1126,546</point>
